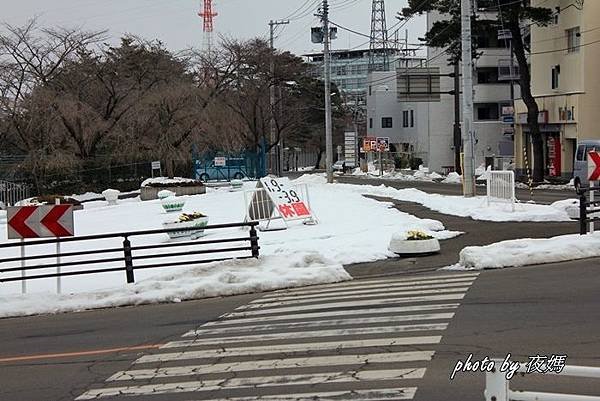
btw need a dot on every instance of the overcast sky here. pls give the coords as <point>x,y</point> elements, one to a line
<point>176,23</point>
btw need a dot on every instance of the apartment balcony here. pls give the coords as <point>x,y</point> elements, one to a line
<point>491,93</point>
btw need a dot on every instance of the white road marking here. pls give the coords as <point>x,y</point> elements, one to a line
<point>311,334</point>
<point>355,283</point>
<point>350,304</point>
<point>399,293</point>
<point>387,284</point>
<point>372,291</point>
<point>350,320</point>
<point>219,351</point>
<point>402,393</point>
<point>351,376</point>
<point>339,314</point>
<point>301,362</point>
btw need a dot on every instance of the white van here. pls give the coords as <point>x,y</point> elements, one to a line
<point>580,167</point>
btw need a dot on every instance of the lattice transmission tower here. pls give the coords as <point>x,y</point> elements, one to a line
<point>379,56</point>
<point>207,15</point>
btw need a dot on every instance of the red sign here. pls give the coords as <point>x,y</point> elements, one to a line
<point>594,166</point>
<point>369,144</point>
<point>40,221</point>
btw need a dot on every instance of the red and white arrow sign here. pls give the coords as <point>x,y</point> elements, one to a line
<point>594,166</point>
<point>40,221</point>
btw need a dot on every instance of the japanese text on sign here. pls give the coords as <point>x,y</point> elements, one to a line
<point>288,201</point>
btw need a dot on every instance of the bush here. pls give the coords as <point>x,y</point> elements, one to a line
<point>415,163</point>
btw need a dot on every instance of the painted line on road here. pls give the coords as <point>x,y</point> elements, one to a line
<point>352,376</point>
<point>351,297</point>
<point>219,351</point>
<point>79,353</point>
<point>350,320</point>
<point>301,362</point>
<point>358,282</point>
<point>336,305</point>
<point>361,291</point>
<point>387,284</point>
<point>311,334</point>
<point>342,315</point>
<point>401,393</point>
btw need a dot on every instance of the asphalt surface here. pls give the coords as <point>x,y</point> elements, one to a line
<point>544,310</point>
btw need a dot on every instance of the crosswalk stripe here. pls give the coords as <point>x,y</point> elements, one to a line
<point>333,305</point>
<point>387,284</point>
<point>312,315</point>
<point>350,320</point>
<point>219,351</point>
<point>355,283</point>
<point>372,291</point>
<point>351,296</point>
<point>352,376</point>
<point>301,362</point>
<point>311,334</point>
<point>401,393</point>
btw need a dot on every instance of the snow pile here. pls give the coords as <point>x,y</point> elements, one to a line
<point>453,178</point>
<point>351,229</point>
<point>166,180</point>
<point>217,279</point>
<point>529,251</point>
<point>559,187</point>
<point>475,208</point>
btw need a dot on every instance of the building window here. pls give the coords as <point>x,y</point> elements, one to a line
<point>573,40</point>
<point>386,122</point>
<point>412,118</point>
<point>370,88</point>
<point>555,76</point>
<point>370,123</point>
<point>487,111</point>
<point>405,118</point>
<point>487,75</point>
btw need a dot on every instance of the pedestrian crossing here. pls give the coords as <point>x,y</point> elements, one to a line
<point>364,340</point>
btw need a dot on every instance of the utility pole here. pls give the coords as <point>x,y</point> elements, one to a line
<point>467,71</point>
<point>274,156</point>
<point>326,59</point>
<point>457,133</point>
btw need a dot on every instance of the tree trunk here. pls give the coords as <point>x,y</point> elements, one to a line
<point>529,100</point>
<point>319,157</point>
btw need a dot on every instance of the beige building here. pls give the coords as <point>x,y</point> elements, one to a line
<point>565,79</point>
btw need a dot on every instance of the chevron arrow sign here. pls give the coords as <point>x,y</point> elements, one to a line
<point>40,221</point>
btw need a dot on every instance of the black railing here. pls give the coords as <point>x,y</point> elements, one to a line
<point>130,253</point>
<point>586,208</point>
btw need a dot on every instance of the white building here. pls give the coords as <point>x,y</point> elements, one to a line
<point>493,137</point>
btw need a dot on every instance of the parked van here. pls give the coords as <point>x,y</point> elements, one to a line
<point>580,168</point>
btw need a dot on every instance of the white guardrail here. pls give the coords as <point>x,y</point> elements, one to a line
<point>497,386</point>
<point>501,187</point>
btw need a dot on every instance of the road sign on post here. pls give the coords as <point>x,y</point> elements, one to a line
<point>594,166</point>
<point>383,144</point>
<point>47,221</point>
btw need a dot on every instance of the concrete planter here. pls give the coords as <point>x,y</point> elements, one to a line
<point>172,204</point>
<point>149,193</point>
<point>193,229</point>
<point>111,196</point>
<point>414,247</point>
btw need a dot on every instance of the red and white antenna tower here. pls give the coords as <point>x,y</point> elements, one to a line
<point>207,15</point>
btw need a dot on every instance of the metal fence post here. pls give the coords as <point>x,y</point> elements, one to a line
<point>128,260</point>
<point>582,213</point>
<point>254,241</point>
<point>496,385</point>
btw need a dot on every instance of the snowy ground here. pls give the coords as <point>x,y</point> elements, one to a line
<point>522,252</point>
<point>351,229</point>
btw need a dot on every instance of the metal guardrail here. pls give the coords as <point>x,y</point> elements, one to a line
<point>11,193</point>
<point>501,187</point>
<point>130,253</point>
<point>587,208</point>
<point>497,386</point>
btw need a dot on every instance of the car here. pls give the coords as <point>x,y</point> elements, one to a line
<point>341,164</point>
<point>580,168</point>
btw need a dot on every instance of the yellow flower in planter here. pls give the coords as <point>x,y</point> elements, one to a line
<point>190,216</point>
<point>417,235</point>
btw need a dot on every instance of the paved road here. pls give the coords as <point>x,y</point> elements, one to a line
<point>539,195</point>
<point>395,337</point>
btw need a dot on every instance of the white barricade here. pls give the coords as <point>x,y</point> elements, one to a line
<point>501,187</point>
<point>497,386</point>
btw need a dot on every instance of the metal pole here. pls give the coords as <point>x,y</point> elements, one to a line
<point>274,154</point>
<point>457,133</point>
<point>58,270</point>
<point>592,199</point>
<point>467,71</point>
<point>328,123</point>
<point>23,282</point>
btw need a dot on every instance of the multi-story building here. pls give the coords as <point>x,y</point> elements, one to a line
<point>565,60</point>
<point>492,95</point>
